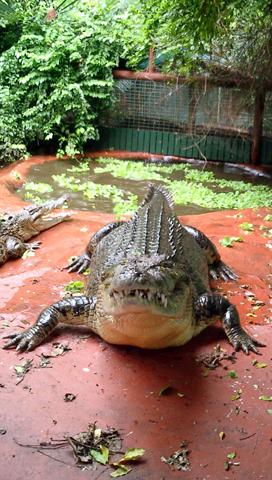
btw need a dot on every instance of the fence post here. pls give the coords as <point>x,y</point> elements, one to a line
<point>192,108</point>
<point>257,126</point>
<point>151,60</point>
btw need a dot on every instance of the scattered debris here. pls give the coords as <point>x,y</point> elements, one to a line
<point>269,411</point>
<point>214,359</point>
<point>237,395</point>
<point>69,397</point>
<point>222,435</point>
<point>93,446</point>
<point>166,390</point>
<point>179,460</point>
<point>229,462</point>
<point>44,362</point>
<point>3,431</point>
<point>22,369</point>
<point>58,349</point>
<point>248,436</point>
<point>93,439</point>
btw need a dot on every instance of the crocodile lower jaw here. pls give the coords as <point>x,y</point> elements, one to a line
<point>146,331</point>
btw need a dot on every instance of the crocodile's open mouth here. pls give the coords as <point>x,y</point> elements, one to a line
<point>139,296</point>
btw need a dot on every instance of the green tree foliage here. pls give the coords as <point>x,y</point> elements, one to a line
<point>58,76</point>
<point>197,35</point>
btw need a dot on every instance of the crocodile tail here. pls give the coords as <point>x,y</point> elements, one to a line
<point>153,190</point>
<point>152,227</point>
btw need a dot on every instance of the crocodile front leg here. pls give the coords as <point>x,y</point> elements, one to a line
<point>209,305</point>
<point>82,262</point>
<point>75,310</point>
<point>217,268</point>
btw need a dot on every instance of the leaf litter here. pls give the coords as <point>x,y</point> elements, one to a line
<point>92,447</point>
<point>179,460</point>
<point>215,358</point>
<point>22,369</point>
<point>58,349</point>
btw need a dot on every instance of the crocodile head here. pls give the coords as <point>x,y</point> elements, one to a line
<point>145,284</point>
<point>33,219</point>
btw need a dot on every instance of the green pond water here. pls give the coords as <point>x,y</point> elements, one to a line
<point>110,185</point>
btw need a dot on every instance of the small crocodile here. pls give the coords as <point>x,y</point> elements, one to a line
<point>148,286</point>
<point>16,228</point>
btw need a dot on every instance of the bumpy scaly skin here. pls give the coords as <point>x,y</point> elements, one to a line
<point>25,224</point>
<point>148,286</point>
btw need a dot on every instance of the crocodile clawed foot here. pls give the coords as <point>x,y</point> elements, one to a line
<point>33,246</point>
<point>24,341</point>
<point>241,340</point>
<point>80,264</point>
<point>221,270</point>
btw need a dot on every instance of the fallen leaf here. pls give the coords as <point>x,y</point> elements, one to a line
<point>166,390</point>
<point>23,368</point>
<point>266,398</point>
<point>232,374</point>
<point>231,455</point>
<point>260,365</point>
<point>247,227</point>
<point>236,395</point>
<point>120,471</point>
<point>132,454</point>
<point>101,456</point>
<point>222,435</point>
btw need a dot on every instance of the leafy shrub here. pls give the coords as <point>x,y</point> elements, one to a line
<point>58,76</point>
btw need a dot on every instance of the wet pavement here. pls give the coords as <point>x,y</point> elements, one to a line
<point>214,412</point>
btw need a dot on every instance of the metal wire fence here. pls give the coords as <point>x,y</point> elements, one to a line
<point>194,109</point>
<point>194,120</point>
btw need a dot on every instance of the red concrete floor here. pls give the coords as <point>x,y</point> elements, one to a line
<point>119,386</point>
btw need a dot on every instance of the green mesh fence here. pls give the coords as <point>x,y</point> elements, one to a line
<point>181,107</point>
<point>191,120</point>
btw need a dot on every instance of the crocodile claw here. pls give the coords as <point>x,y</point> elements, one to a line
<point>24,341</point>
<point>241,340</point>
<point>80,264</point>
<point>221,270</point>
<point>34,245</point>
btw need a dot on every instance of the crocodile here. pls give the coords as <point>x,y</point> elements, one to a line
<point>16,228</point>
<point>148,286</point>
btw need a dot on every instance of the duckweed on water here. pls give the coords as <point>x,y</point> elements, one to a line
<point>38,187</point>
<point>190,185</point>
